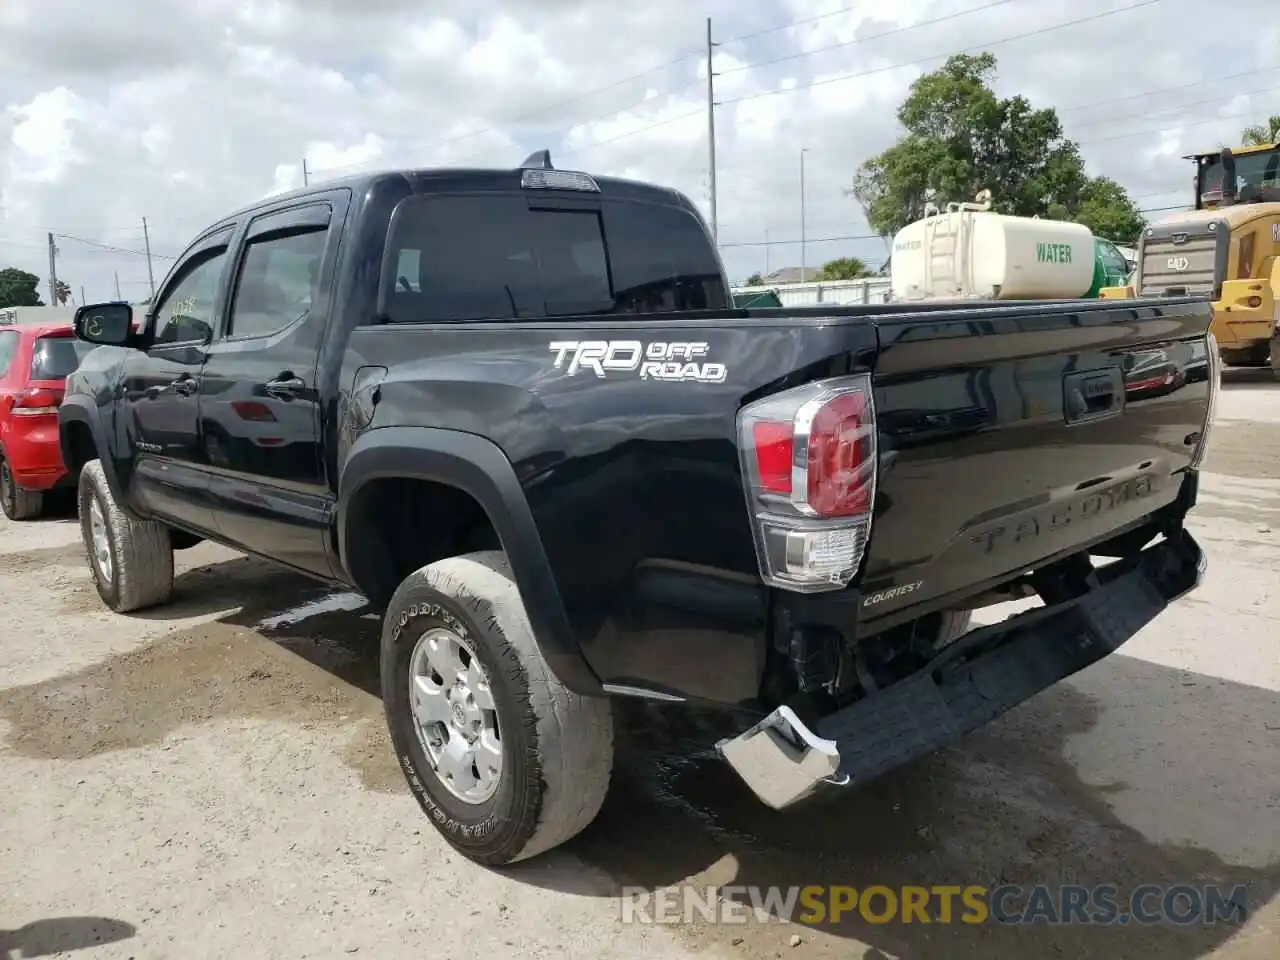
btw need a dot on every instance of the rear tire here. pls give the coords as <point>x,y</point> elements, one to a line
<point>131,560</point>
<point>554,750</point>
<point>17,503</point>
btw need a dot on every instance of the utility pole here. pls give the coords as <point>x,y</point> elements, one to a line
<point>803,259</point>
<point>146,239</point>
<point>82,299</point>
<point>306,174</point>
<point>118,297</point>
<point>711,130</point>
<point>53,273</point>
<point>766,251</point>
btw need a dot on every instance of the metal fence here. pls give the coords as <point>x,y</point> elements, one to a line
<point>841,292</point>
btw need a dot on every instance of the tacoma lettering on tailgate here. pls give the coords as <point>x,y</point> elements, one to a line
<point>1028,528</point>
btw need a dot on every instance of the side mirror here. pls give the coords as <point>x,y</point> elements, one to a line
<point>106,324</point>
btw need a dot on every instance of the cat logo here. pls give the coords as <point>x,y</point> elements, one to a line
<point>1178,263</point>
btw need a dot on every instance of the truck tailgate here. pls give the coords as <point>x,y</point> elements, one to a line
<point>1017,434</point>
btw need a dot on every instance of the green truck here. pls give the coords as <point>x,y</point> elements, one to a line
<point>1110,268</point>
<point>759,298</point>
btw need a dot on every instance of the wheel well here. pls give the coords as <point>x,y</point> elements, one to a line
<point>78,447</point>
<point>396,525</point>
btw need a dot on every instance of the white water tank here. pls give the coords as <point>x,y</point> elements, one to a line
<point>973,253</point>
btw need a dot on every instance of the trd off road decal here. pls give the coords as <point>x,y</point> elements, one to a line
<point>676,361</point>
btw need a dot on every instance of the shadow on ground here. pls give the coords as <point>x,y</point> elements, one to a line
<point>1009,805</point>
<point>1249,378</point>
<point>58,935</point>
<point>1003,807</point>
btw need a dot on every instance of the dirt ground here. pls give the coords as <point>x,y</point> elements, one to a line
<point>213,779</point>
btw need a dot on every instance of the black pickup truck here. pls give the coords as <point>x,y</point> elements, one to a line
<point>517,410</point>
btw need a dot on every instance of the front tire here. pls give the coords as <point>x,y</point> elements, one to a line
<point>17,503</point>
<point>131,560</point>
<point>506,761</point>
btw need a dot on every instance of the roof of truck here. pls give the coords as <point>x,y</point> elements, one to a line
<point>1238,151</point>
<point>463,178</point>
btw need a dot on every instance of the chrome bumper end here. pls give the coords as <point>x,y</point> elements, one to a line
<point>782,760</point>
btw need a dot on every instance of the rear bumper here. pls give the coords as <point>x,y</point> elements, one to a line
<point>979,677</point>
<point>34,453</point>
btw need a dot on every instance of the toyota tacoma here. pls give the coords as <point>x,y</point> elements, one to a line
<point>518,411</point>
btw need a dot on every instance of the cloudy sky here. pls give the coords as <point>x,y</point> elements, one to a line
<point>181,111</point>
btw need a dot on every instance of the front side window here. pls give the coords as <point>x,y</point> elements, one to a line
<point>277,283</point>
<point>187,311</point>
<point>1252,169</point>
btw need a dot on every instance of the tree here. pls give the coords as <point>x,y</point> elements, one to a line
<point>1106,210</point>
<point>755,280</point>
<point>1263,133</point>
<point>63,291</point>
<point>845,268</point>
<point>19,288</point>
<point>961,138</point>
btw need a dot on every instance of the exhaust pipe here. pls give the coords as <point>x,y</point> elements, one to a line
<point>1228,175</point>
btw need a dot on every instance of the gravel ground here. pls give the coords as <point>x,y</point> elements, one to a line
<point>213,779</point>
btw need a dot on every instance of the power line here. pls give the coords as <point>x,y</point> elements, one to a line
<point>807,53</point>
<point>790,25</point>
<point>1111,101</point>
<point>1170,125</point>
<point>877,36</point>
<point>577,98</point>
<point>941,56</point>
<point>1191,103</point>
<point>112,249</point>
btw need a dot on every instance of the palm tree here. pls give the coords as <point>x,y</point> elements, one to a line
<point>62,292</point>
<point>1263,133</point>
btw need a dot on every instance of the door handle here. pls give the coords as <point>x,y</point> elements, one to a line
<point>284,388</point>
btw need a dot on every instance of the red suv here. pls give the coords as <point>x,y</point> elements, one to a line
<point>34,362</point>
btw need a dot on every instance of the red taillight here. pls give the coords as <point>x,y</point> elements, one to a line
<point>774,443</point>
<point>838,451</point>
<point>37,401</point>
<point>809,464</point>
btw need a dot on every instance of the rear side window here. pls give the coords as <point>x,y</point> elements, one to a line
<point>662,260</point>
<point>8,346</point>
<point>477,258</point>
<point>55,358</point>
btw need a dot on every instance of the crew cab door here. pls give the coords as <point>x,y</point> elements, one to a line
<point>260,413</point>
<point>159,403</point>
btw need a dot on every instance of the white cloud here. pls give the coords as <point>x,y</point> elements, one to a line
<point>181,112</point>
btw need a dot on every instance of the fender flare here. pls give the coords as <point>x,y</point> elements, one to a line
<point>77,410</point>
<point>478,467</point>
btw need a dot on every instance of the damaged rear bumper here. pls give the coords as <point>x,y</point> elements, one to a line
<point>979,677</point>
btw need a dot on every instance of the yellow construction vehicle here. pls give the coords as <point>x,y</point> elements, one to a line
<point>1227,247</point>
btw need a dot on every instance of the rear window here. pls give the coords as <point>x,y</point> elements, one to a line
<point>476,258</point>
<point>54,358</point>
